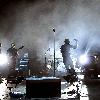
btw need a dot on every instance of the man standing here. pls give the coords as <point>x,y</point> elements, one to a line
<point>12,53</point>
<point>65,50</point>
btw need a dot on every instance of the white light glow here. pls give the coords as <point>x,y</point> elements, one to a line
<point>3,59</point>
<point>98,76</point>
<point>80,77</point>
<point>49,66</point>
<point>84,93</point>
<point>3,89</point>
<point>83,59</point>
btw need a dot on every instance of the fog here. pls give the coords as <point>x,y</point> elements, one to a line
<point>30,23</point>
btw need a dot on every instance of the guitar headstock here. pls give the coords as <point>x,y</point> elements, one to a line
<point>21,47</point>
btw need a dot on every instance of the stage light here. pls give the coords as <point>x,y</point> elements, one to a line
<point>3,59</point>
<point>83,59</point>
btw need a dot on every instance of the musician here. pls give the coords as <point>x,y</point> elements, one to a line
<point>65,50</point>
<point>13,54</point>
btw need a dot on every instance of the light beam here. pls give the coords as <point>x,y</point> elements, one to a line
<point>83,59</point>
<point>3,59</point>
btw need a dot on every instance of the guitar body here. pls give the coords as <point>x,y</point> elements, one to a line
<point>13,52</point>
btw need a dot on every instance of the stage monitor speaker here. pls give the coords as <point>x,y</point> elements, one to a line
<point>43,87</point>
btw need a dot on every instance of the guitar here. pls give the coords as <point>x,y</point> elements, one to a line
<point>13,53</point>
<point>20,48</point>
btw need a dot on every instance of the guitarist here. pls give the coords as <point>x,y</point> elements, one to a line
<point>13,53</point>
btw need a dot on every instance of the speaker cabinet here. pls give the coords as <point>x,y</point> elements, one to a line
<point>43,87</point>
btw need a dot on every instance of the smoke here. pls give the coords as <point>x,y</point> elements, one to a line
<point>30,22</point>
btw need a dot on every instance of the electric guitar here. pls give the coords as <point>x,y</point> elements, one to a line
<point>14,54</point>
<point>20,48</point>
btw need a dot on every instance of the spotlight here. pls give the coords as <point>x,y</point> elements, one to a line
<point>3,59</point>
<point>84,59</point>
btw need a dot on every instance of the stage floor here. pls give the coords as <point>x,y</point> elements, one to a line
<point>86,92</point>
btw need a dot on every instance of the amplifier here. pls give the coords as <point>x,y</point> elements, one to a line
<point>45,87</point>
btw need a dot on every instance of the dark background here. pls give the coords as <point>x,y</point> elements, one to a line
<point>30,23</point>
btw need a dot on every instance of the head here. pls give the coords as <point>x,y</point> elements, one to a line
<point>67,41</point>
<point>13,45</point>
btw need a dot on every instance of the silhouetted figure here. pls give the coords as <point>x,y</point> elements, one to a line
<point>65,50</point>
<point>13,54</point>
